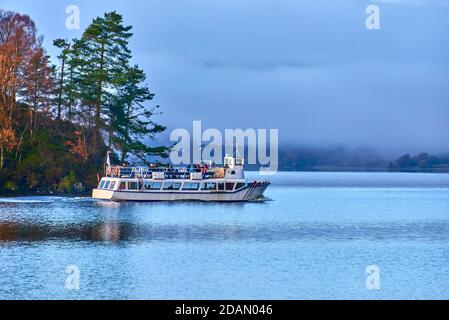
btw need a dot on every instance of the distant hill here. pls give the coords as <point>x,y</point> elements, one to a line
<point>341,158</point>
<point>421,163</point>
<point>355,159</point>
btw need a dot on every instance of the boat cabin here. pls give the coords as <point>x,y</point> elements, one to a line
<point>119,184</point>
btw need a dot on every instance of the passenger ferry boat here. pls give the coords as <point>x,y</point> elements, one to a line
<point>197,183</point>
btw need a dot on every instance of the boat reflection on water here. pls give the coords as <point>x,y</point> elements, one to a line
<point>125,232</point>
<point>114,232</point>
<point>107,232</point>
<point>26,232</point>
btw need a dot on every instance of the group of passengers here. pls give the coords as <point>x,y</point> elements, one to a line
<point>176,173</point>
<point>202,167</point>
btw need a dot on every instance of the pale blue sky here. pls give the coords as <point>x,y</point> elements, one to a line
<point>309,68</point>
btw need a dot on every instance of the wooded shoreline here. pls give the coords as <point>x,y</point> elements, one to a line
<point>57,121</point>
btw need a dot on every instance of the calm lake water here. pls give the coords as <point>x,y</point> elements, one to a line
<point>312,240</point>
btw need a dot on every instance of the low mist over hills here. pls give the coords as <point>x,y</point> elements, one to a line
<point>356,159</point>
<point>340,158</point>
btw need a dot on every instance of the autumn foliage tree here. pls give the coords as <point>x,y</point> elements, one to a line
<point>18,45</point>
<point>28,141</point>
<point>38,87</point>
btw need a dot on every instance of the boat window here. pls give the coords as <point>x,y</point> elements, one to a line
<point>156,186</point>
<point>221,186</point>
<point>122,185</point>
<point>195,186</point>
<point>132,185</point>
<point>239,186</point>
<point>106,185</point>
<point>112,185</point>
<point>229,186</point>
<point>172,186</point>
<point>209,186</point>
<point>101,184</point>
<point>191,186</point>
<point>168,186</point>
<point>153,185</point>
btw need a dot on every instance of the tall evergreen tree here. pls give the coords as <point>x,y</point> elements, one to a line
<point>112,93</point>
<point>105,55</point>
<point>62,74</point>
<point>81,90</point>
<point>130,119</point>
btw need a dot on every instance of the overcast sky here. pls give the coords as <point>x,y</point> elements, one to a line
<point>309,68</point>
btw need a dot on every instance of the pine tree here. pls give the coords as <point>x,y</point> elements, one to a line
<point>105,54</point>
<point>62,74</point>
<point>130,119</point>
<point>111,92</point>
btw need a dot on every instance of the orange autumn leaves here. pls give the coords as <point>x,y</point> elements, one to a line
<point>79,147</point>
<point>25,77</point>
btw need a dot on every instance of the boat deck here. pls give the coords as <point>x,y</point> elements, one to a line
<point>163,173</point>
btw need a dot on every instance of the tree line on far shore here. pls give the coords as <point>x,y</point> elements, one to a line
<point>358,159</point>
<point>58,121</point>
<point>423,162</point>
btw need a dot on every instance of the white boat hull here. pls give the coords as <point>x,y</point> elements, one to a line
<point>250,193</point>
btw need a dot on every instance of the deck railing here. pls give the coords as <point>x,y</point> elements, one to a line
<point>147,172</point>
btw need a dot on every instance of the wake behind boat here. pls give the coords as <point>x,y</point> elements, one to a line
<point>197,183</point>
